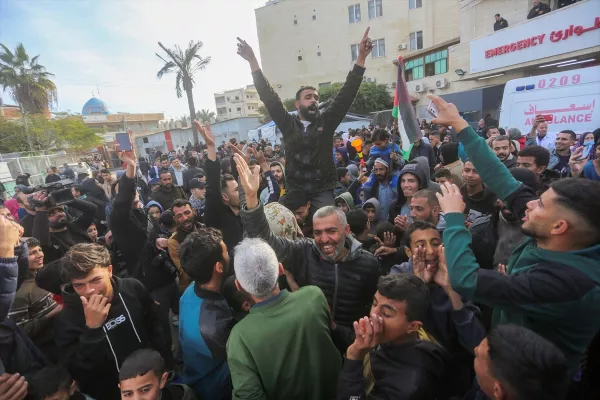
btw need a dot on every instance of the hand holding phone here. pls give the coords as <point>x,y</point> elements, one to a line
<point>124,141</point>
<point>432,109</point>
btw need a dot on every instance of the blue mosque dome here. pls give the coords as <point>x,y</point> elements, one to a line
<point>95,106</point>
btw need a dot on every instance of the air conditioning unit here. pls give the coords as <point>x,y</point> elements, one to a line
<point>402,46</point>
<point>441,83</point>
<point>393,84</point>
<point>420,88</point>
<point>371,80</point>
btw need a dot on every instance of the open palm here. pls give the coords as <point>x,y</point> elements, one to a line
<point>249,178</point>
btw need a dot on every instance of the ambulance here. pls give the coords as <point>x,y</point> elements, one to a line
<point>566,99</point>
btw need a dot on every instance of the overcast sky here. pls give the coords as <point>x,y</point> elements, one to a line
<point>110,45</point>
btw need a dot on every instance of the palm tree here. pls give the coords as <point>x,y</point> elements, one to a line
<point>27,82</point>
<point>205,115</point>
<point>184,65</point>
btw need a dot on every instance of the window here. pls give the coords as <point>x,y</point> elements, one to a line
<point>222,110</point>
<point>228,99</point>
<point>324,84</point>
<point>220,99</point>
<point>436,63</point>
<point>314,17</point>
<point>378,48</point>
<point>299,58</point>
<point>318,54</point>
<point>239,108</point>
<point>416,40</point>
<point>145,140</point>
<point>415,4</point>
<point>237,97</point>
<point>354,51</point>
<point>230,110</point>
<point>414,69</point>
<point>354,13</point>
<point>375,9</point>
<point>295,22</point>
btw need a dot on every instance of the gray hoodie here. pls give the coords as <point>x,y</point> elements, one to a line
<point>347,198</point>
<point>377,206</point>
<point>424,167</point>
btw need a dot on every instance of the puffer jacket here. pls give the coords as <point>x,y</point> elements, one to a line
<point>348,285</point>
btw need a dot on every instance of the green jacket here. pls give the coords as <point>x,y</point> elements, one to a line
<point>555,294</point>
<point>283,349</point>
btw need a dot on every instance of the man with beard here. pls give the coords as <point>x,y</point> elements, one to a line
<point>384,187</point>
<point>300,206</point>
<point>334,261</point>
<point>536,159</point>
<point>56,231</point>
<point>198,196</point>
<point>167,192</point>
<point>561,153</point>
<point>308,136</point>
<point>475,193</point>
<point>222,204</point>
<point>205,317</point>
<point>278,172</point>
<point>551,285</point>
<point>501,146</point>
<point>185,219</point>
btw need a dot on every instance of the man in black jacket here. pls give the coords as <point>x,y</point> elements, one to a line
<point>104,320</point>
<point>188,174</point>
<point>538,9</point>
<point>500,23</point>
<point>334,261</point>
<point>222,204</point>
<point>167,192</point>
<point>308,136</point>
<point>56,231</point>
<point>140,249</point>
<point>408,364</point>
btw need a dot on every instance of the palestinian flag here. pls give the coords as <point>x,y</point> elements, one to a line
<point>408,125</point>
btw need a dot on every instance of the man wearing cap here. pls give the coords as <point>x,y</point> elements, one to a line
<point>198,189</point>
<point>382,186</point>
<point>57,231</point>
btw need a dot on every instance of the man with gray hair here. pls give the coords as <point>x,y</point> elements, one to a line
<point>267,351</point>
<point>334,261</point>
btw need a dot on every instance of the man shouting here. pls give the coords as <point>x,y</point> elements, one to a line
<point>308,136</point>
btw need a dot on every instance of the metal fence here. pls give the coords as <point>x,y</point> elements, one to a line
<point>35,165</point>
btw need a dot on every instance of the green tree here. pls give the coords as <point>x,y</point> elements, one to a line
<point>289,104</point>
<point>205,115</point>
<point>28,83</point>
<point>11,136</point>
<point>370,97</point>
<point>71,132</point>
<point>184,64</point>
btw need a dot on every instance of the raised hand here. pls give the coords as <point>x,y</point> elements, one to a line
<point>368,334</point>
<point>12,387</point>
<point>420,267</point>
<point>95,310</point>
<point>245,50</point>
<point>451,199</point>
<point>9,237</point>
<point>249,178</point>
<point>441,276</point>
<point>206,133</point>
<point>576,162</point>
<point>401,222</point>
<point>364,48</point>
<point>448,114</point>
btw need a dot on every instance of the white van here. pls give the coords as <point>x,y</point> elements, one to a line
<point>569,100</point>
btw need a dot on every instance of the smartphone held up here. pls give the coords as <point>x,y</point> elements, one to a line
<point>123,139</point>
<point>433,110</point>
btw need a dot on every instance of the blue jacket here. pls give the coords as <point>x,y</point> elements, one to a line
<point>554,160</point>
<point>384,154</point>
<point>205,322</point>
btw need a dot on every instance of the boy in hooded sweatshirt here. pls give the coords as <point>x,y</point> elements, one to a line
<point>345,202</point>
<point>103,321</point>
<point>372,209</point>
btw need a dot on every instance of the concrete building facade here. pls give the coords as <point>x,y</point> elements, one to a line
<point>235,103</point>
<point>442,42</point>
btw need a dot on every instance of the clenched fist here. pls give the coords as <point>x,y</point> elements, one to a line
<point>95,310</point>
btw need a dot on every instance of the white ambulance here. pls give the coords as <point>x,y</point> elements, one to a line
<point>568,100</point>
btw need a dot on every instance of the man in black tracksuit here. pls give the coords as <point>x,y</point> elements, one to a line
<point>103,321</point>
<point>308,136</point>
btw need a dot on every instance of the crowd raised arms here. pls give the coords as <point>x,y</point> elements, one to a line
<point>332,265</point>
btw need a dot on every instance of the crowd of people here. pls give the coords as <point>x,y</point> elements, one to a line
<point>330,266</point>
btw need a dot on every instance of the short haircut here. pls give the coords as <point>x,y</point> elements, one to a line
<point>497,15</point>
<point>105,171</point>
<point>407,288</point>
<point>199,253</point>
<point>303,88</point>
<point>199,175</point>
<point>357,219</point>
<point>164,171</point>
<point>192,161</point>
<point>140,362</point>
<point>581,196</point>
<point>275,164</point>
<point>33,242</point>
<point>443,173</point>
<point>235,297</point>
<point>82,258</point>
<point>501,138</point>
<point>416,226</point>
<point>341,172</point>
<point>78,188</point>
<point>527,365</point>
<point>449,152</point>
<point>382,228</point>
<point>181,203</point>
<point>539,153</point>
<point>326,211</point>
<point>49,381</point>
<point>432,199</point>
<point>224,179</point>
<point>256,267</point>
<point>380,134</point>
<point>570,132</point>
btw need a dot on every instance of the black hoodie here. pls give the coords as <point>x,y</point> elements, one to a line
<point>94,356</point>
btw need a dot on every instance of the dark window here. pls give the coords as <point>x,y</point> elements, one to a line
<point>299,58</point>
